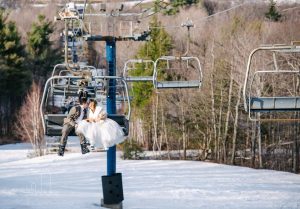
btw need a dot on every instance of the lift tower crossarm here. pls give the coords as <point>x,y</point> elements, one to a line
<point>139,37</point>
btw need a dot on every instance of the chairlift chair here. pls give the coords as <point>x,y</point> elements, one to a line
<point>270,103</point>
<point>102,92</point>
<point>61,69</point>
<point>53,122</point>
<point>70,11</point>
<point>130,65</point>
<point>166,63</point>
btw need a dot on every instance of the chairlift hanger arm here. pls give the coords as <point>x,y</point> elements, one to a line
<point>188,24</point>
<point>84,7</point>
<point>56,66</point>
<point>62,71</point>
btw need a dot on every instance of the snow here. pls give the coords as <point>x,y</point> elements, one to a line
<point>74,181</point>
<point>14,152</point>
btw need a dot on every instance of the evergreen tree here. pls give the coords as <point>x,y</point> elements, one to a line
<point>159,45</point>
<point>14,78</point>
<point>12,59</point>
<point>175,5</point>
<point>42,56</point>
<point>142,92</point>
<point>273,14</point>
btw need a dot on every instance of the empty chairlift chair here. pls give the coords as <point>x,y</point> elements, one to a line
<point>272,89</point>
<point>65,86</point>
<point>177,72</point>
<point>140,65</point>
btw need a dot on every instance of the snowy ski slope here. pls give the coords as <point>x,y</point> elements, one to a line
<point>74,182</point>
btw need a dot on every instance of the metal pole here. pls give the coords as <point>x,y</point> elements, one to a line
<point>66,42</point>
<point>111,100</point>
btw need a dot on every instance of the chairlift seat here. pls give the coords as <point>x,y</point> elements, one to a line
<point>139,78</point>
<point>71,92</point>
<point>65,93</point>
<point>263,104</point>
<point>178,84</point>
<point>120,98</point>
<point>122,121</point>
<point>72,87</point>
<point>72,44</point>
<point>65,86</point>
<point>54,123</point>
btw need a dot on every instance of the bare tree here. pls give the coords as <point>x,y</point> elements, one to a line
<point>235,125</point>
<point>29,124</point>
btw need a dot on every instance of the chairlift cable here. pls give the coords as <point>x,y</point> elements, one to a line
<point>288,9</point>
<point>204,18</point>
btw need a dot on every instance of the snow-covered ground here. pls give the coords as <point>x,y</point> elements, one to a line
<point>74,182</point>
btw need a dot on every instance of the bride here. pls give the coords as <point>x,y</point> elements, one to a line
<point>101,131</point>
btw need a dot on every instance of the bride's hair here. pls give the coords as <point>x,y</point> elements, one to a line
<point>93,101</point>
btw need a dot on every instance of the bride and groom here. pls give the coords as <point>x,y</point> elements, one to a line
<point>90,123</point>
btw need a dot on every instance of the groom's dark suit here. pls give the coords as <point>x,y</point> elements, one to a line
<point>69,125</point>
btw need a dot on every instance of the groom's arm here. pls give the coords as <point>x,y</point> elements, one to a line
<point>71,117</point>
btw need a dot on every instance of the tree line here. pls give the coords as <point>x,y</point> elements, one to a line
<point>21,65</point>
<point>213,120</point>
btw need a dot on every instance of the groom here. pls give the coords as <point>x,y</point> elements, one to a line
<point>76,114</point>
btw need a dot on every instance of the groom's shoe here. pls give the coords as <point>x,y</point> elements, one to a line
<point>86,142</point>
<point>84,149</point>
<point>61,150</point>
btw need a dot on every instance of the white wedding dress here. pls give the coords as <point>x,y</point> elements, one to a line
<point>104,133</point>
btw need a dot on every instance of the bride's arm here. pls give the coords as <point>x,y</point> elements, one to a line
<point>90,119</point>
<point>101,116</point>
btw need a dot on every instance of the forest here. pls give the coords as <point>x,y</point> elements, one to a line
<point>210,120</point>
